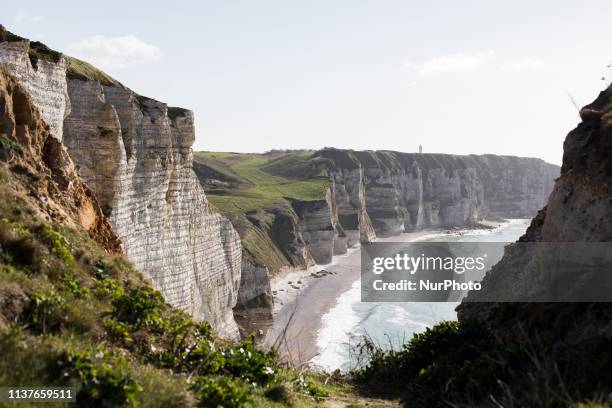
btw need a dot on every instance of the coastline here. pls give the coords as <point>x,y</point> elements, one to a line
<point>392,324</point>
<point>301,299</point>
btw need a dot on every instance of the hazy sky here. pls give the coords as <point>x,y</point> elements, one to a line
<point>456,76</point>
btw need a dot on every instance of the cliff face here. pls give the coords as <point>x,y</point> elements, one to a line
<point>348,187</point>
<point>407,192</point>
<point>317,221</point>
<point>386,193</point>
<point>42,73</point>
<point>356,196</point>
<point>135,153</point>
<point>579,210</point>
<point>46,173</point>
<point>570,339</point>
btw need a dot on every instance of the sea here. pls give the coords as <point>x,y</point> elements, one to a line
<point>390,325</point>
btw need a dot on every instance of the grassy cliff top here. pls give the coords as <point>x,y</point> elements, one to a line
<point>254,191</point>
<point>253,184</point>
<point>75,68</point>
<point>37,50</point>
<point>82,70</point>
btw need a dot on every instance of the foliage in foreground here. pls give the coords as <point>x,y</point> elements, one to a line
<point>464,364</point>
<point>72,315</point>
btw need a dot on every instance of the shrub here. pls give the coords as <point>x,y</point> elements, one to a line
<point>118,331</point>
<point>161,389</point>
<point>83,319</point>
<point>138,307</point>
<point>220,392</point>
<point>243,360</point>
<point>58,245</point>
<point>20,251</point>
<point>47,310</point>
<point>104,288</point>
<point>105,382</point>
<point>72,286</point>
<point>463,359</point>
<point>202,357</point>
<point>189,347</point>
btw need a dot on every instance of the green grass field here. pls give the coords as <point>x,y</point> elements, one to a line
<point>264,189</point>
<point>258,190</point>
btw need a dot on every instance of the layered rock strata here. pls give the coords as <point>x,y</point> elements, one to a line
<point>47,174</point>
<point>408,192</point>
<point>135,153</point>
<point>387,193</point>
<point>42,73</point>
<point>317,227</point>
<point>379,193</point>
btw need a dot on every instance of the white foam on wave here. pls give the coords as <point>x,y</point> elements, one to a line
<point>391,324</point>
<point>337,327</point>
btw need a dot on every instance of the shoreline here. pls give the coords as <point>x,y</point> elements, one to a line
<point>303,297</point>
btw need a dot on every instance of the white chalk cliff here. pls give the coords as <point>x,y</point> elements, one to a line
<point>135,153</point>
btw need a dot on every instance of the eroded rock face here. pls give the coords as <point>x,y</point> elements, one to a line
<point>579,210</point>
<point>316,225</point>
<point>135,154</point>
<point>576,336</point>
<point>395,192</point>
<point>40,161</point>
<point>254,307</point>
<point>44,81</point>
<point>349,205</point>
